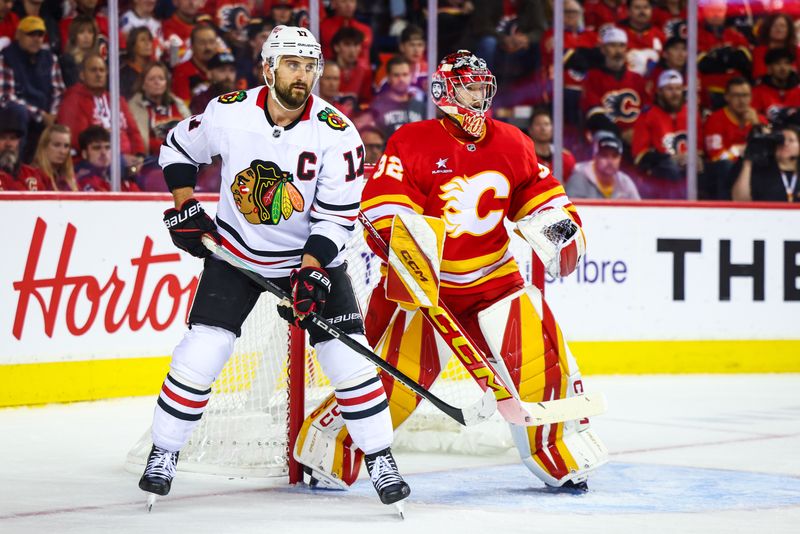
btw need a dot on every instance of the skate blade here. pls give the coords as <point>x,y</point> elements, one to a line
<point>151,500</point>
<point>401,508</point>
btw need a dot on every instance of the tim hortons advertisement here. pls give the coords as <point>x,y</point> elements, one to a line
<point>87,279</point>
<point>91,279</point>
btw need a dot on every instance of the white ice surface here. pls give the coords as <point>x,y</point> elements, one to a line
<point>689,454</point>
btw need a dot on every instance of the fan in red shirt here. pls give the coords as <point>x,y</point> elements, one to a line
<point>177,30</point>
<point>775,31</point>
<point>724,53</point>
<point>344,11</point>
<point>670,17</point>
<point>576,37</point>
<point>88,103</point>
<point>83,7</point>
<point>8,23</point>
<point>541,132</point>
<point>613,95</point>
<point>599,13</point>
<point>725,137</point>
<point>725,131</point>
<point>356,80</point>
<point>659,140</point>
<point>779,87</point>
<point>645,41</point>
<point>190,78</point>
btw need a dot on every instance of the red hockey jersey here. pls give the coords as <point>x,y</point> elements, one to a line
<point>473,186</point>
<point>769,101</point>
<point>660,130</point>
<point>621,99</point>
<point>714,83</point>
<point>596,13</point>
<point>644,48</point>
<point>724,137</point>
<point>572,40</point>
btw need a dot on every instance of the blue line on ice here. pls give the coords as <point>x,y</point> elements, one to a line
<point>614,488</point>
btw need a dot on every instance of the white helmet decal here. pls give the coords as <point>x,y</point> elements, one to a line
<point>290,41</point>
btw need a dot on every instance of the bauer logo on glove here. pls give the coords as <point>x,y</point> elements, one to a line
<point>187,226</point>
<point>556,238</point>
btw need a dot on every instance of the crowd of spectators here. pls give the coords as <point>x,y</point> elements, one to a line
<point>624,73</point>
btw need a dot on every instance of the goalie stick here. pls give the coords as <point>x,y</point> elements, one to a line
<point>475,413</point>
<point>512,409</point>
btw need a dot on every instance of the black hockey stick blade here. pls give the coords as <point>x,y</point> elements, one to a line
<point>475,413</point>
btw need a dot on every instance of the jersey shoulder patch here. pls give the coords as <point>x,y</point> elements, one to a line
<point>232,97</point>
<point>330,117</point>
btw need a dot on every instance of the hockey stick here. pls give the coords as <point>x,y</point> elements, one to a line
<point>480,368</point>
<point>473,414</point>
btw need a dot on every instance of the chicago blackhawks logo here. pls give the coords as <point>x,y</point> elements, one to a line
<point>332,119</point>
<point>462,196</point>
<point>233,97</point>
<point>624,105</point>
<point>264,193</point>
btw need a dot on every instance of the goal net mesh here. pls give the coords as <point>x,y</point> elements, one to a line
<point>244,428</point>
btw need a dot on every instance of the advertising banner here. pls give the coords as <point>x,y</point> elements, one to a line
<point>95,295</point>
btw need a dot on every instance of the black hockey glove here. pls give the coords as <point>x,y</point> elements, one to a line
<point>310,289</point>
<point>187,226</point>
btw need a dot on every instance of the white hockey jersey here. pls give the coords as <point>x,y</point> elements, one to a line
<point>278,185</point>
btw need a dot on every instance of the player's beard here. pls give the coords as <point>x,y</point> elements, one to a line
<point>293,95</point>
<point>8,161</point>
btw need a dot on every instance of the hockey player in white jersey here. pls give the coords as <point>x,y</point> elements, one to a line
<point>291,185</point>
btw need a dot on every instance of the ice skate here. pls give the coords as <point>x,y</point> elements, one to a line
<point>391,487</point>
<point>158,475</point>
<point>575,488</point>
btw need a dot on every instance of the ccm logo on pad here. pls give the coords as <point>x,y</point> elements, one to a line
<point>406,255</point>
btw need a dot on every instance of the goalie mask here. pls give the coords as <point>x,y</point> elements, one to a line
<point>290,41</point>
<point>463,88</point>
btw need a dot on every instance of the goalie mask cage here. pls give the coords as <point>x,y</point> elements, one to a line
<point>273,380</point>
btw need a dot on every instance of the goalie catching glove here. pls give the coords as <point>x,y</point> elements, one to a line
<point>555,238</point>
<point>187,225</point>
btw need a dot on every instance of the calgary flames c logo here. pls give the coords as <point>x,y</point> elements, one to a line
<point>462,195</point>
<point>624,105</point>
<point>264,193</point>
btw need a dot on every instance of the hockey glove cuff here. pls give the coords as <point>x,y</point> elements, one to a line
<point>310,289</point>
<point>555,238</point>
<point>187,226</point>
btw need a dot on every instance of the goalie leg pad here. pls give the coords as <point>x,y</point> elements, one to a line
<point>325,448</point>
<point>196,362</point>
<point>324,444</point>
<point>522,334</point>
<point>359,394</point>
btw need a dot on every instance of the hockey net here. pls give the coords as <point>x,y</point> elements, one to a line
<point>255,411</point>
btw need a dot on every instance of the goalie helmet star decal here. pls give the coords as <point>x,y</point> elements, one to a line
<point>265,194</point>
